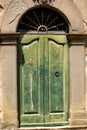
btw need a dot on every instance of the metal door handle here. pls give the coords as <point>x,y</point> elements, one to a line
<point>57,74</point>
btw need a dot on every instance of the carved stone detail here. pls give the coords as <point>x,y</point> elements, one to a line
<point>43,2</point>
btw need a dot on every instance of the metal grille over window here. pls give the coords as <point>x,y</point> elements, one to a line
<point>42,20</point>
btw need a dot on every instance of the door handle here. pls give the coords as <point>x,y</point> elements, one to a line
<point>57,74</point>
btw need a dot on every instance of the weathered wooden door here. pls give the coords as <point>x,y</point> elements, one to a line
<point>43,80</point>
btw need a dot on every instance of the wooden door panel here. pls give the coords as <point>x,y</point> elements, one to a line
<point>30,74</point>
<point>32,91</point>
<point>44,80</point>
<point>54,86</point>
<point>56,77</point>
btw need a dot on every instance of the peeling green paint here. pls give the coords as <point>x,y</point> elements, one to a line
<point>44,80</point>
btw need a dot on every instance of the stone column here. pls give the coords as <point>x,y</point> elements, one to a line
<point>77,80</point>
<point>86,78</point>
<point>9,79</point>
<point>0,89</point>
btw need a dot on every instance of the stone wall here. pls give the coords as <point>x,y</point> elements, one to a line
<point>81,5</point>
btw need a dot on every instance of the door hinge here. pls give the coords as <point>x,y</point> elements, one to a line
<point>18,59</point>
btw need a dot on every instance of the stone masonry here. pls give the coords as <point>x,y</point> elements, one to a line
<point>81,6</point>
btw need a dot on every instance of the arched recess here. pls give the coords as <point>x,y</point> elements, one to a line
<point>43,19</point>
<point>18,7</point>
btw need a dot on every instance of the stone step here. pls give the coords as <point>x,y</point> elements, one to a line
<point>56,128</point>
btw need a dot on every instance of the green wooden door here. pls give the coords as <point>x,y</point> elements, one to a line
<point>43,80</point>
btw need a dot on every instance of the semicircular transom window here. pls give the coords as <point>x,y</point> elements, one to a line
<point>42,20</point>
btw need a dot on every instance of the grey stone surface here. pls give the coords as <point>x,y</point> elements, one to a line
<point>9,83</point>
<point>9,127</point>
<point>55,128</point>
<point>86,81</point>
<point>77,63</point>
<point>82,5</point>
<point>77,86</point>
<point>12,15</point>
<point>0,89</point>
<point>72,13</point>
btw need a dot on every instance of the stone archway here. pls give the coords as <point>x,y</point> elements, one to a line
<point>43,19</point>
<point>18,7</point>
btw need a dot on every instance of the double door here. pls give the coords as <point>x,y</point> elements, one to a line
<point>43,80</point>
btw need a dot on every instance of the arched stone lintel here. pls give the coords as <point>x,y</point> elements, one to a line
<point>17,8</point>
